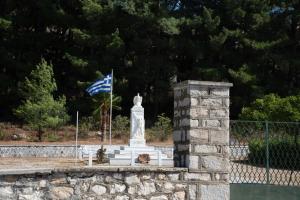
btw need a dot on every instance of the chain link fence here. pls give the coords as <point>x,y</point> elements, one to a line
<point>265,152</point>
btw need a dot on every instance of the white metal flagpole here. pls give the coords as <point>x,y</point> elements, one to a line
<point>76,138</point>
<point>111,92</point>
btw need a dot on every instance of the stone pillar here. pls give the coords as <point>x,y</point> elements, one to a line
<point>201,137</point>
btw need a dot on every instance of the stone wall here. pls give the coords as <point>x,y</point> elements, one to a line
<point>201,136</point>
<point>37,150</point>
<point>97,183</point>
<point>64,151</point>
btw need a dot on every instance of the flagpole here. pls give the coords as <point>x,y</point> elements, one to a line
<point>111,91</point>
<point>76,138</point>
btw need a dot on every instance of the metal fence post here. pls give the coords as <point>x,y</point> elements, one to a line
<point>267,151</point>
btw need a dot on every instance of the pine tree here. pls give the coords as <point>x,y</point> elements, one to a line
<point>150,43</point>
<point>227,41</point>
<point>39,109</point>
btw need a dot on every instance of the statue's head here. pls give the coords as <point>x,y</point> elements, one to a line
<point>138,100</point>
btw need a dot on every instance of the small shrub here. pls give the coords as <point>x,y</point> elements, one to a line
<point>283,153</point>
<point>2,126</point>
<point>150,135</point>
<point>52,137</point>
<point>257,151</point>
<point>120,127</point>
<point>86,124</point>
<point>162,128</point>
<point>3,135</point>
<point>33,138</point>
<point>101,155</point>
<point>68,136</point>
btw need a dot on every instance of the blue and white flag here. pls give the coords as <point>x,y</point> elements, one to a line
<point>102,85</point>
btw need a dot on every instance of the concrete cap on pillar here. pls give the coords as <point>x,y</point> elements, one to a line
<point>202,83</point>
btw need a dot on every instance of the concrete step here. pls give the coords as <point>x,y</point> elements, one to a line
<point>128,148</point>
<point>136,151</point>
<point>128,156</point>
<point>127,162</point>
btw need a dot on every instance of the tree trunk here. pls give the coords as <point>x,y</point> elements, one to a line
<point>108,121</point>
<point>101,124</point>
<point>40,134</point>
<point>104,126</point>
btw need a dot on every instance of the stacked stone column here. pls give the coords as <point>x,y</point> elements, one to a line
<point>201,137</point>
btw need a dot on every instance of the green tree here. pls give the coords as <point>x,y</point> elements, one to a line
<point>227,41</point>
<point>273,108</point>
<point>151,45</point>
<point>39,109</point>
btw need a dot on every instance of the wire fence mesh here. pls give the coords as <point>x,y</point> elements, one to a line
<point>265,152</point>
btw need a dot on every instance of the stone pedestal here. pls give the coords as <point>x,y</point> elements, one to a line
<point>137,142</point>
<point>201,137</point>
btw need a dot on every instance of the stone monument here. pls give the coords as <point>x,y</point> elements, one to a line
<point>137,123</point>
<point>137,149</point>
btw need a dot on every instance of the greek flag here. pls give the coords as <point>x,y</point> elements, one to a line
<point>102,85</point>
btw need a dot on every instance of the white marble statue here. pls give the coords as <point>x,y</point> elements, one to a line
<point>137,123</point>
<point>137,100</point>
<point>138,127</point>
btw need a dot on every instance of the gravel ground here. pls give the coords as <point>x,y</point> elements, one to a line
<point>31,163</point>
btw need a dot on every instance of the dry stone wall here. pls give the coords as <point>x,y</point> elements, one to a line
<point>104,183</point>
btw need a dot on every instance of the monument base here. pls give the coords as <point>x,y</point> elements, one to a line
<point>137,142</point>
<point>128,155</point>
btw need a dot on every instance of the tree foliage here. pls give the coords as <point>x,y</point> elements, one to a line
<point>39,109</point>
<point>273,108</point>
<point>162,128</point>
<point>120,127</point>
<point>151,45</point>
